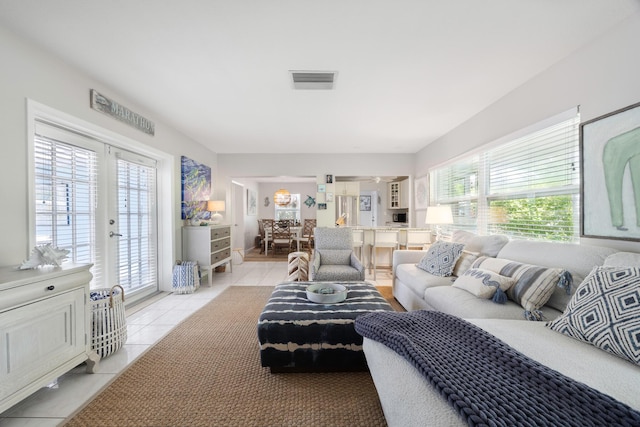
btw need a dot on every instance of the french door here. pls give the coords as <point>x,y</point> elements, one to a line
<point>98,202</point>
<point>132,221</point>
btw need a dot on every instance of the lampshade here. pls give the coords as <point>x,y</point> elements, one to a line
<point>216,206</point>
<point>439,215</point>
<point>282,197</point>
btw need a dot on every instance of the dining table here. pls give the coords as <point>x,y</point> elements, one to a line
<point>295,235</point>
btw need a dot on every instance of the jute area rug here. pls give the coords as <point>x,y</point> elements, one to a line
<point>206,372</point>
<point>254,255</point>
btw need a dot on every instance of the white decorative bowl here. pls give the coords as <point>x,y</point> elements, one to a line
<point>326,293</point>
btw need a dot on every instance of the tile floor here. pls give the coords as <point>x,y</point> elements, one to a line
<point>147,323</point>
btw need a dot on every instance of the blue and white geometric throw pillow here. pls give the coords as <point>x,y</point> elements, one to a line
<point>440,259</point>
<point>605,312</point>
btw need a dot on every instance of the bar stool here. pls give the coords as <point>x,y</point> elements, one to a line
<point>418,238</point>
<point>383,239</point>
<point>358,242</point>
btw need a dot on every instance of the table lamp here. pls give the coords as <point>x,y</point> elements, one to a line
<point>437,215</point>
<point>216,206</point>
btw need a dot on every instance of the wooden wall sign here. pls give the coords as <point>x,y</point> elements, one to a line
<point>111,108</point>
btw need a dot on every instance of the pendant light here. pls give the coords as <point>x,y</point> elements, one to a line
<point>282,197</point>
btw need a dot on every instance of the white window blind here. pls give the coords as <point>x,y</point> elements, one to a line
<point>457,185</point>
<point>137,247</point>
<point>65,194</point>
<point>527,187</point>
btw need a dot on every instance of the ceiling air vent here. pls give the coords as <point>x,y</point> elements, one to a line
<point>313,79</point>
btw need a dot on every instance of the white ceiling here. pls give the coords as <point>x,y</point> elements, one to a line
<point>218,71</point>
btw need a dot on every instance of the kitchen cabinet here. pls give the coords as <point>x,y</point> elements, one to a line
<point>399,194</point>
<point>210,246</point>
<point>44,327</point>
<point>347,188</point>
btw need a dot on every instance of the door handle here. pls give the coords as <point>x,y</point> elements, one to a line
<point>112,234</point>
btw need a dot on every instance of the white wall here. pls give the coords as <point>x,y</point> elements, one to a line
<point>28,72</point>
<point>601,77</point>
<point>310,165</point>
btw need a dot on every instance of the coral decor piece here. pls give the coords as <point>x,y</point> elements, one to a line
<point>45,255</point>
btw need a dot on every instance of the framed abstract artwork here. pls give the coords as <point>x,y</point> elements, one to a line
<point>422,192</point>
<point>252,202</point>
<point>196,189</point>
<point>610,178</point>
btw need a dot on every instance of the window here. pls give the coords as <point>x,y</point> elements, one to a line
<point>290,211</point>
<point>65,195</point>
<point>526,187</point>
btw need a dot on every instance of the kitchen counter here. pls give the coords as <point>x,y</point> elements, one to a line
<point>383,255</point>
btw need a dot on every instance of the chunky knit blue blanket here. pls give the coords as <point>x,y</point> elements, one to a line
<point>487,382</point>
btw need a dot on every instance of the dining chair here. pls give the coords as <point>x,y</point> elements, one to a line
<point>280,236</point>
<point>261,235</point>
<point>383,238</point>
<point>267,225</point>
<point>305,236</point>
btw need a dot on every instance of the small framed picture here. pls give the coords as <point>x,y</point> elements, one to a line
<point>365,203</point>
<point>322,206</point>
<point>322,188</point>
<point>329,179</point>
<point>329,197</point>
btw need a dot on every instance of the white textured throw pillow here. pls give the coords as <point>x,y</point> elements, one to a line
<point>464,262</point>
<point>483,283</point>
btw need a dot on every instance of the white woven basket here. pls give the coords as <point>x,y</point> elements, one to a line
<point>108,320</point>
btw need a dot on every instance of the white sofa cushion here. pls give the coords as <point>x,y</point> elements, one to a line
<point>605,312</point>
<point>623,259</point>
<point>458,302</point>
<point>484,245</point>
<point>418,280</point>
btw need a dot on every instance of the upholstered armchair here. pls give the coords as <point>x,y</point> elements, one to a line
<point>334,259</point>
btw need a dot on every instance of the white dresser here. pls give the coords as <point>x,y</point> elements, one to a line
<point>210,246</point>
<point>44,322</point>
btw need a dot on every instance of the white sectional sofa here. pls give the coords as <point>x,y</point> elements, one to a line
<point>407,397</point>
<point>417,289</point>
